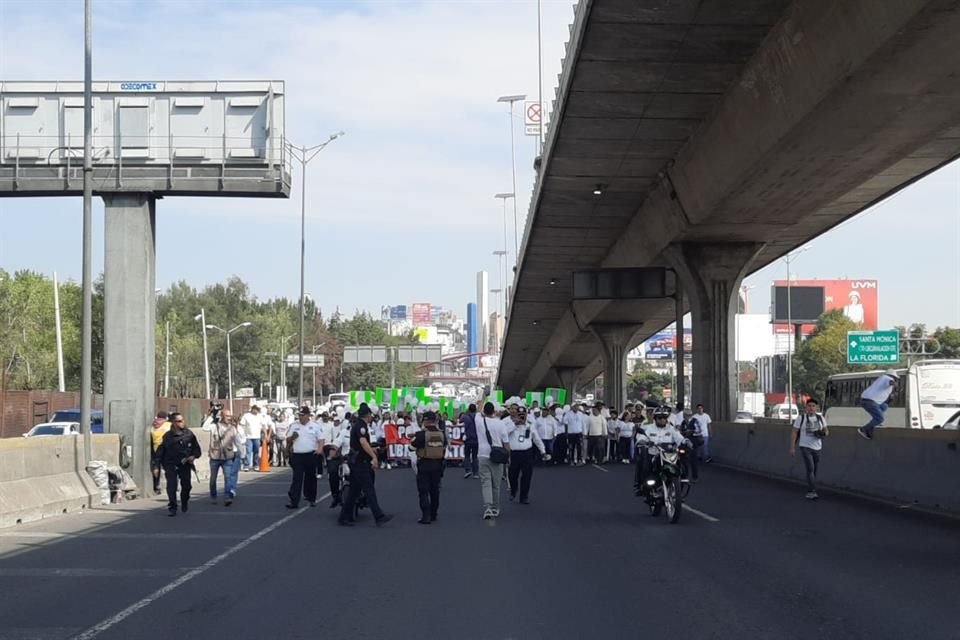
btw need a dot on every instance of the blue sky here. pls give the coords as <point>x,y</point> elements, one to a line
<point>401,209</point>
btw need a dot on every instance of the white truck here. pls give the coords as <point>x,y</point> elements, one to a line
<point>753,402</point>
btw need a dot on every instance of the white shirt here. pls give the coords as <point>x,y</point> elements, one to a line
<point>596,425</point>
<point>548,427</point>
<point>613,427</point>
<point>656,435</point>
<point>499,435</point>
<point>519,440</point>
<point>309,438</point>
<point>880,390</point>
<point>704,419</point>
<point>266,422</point>
<point>573,422</point>
<point>327,432</point>
<point>626,429</point>
<point>342,439</point>
<point>280,429</point>
<point>806,425</point>
<point>251,424</point>
<point>675,419</point>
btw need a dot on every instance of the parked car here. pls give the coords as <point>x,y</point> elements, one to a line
<point>744,417</point>
<point>73,415</point>
<point>54,429</point>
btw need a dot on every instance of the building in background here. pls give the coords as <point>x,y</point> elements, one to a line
<point>474,330</point>
<point>483,312</point>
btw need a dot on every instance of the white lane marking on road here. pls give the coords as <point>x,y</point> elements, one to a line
<point>599,468</point>
<point>705,516</point>
<point>97,629</point>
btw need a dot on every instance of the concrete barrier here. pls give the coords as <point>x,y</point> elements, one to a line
<point>43,476</point>
<point>907,466</point>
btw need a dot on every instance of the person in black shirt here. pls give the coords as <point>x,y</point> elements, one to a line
<point>471,445</point>
<point>177,452</point>
<point>431,446</point>
<point>362,460</point>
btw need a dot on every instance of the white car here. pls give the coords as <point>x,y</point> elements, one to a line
<point>744,417</point>
<point>54,429</point>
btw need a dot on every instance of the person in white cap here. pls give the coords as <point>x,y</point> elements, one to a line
<point>874,401</point>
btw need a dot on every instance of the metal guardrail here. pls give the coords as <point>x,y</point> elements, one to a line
<point>32,157</point>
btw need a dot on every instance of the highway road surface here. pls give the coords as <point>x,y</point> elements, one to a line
<point>583,560</point>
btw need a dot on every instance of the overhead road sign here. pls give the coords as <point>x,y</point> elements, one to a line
<point>310,360</point>
<point>873,347</point>
<point>620,284</point>
<point>420,353</point>
<point>365,355</point>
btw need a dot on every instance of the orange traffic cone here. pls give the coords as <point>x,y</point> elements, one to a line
<point>264,455</point>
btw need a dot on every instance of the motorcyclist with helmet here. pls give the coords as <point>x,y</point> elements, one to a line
<point>660,432</point>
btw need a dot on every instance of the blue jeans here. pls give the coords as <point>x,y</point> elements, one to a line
<point>470,462</point>
<point>876,412</point>
<point>229,476</point>
<point>253,453</point>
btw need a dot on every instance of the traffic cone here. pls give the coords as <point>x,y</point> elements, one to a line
<point>264,455</point>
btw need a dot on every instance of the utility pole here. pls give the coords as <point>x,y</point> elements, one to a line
<point>56,311</point>
<point>166,367</point>
<point>86,315</point>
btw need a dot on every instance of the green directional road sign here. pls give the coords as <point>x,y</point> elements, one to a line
<point>873,347</point>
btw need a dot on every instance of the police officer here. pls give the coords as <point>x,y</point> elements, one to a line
<point>305,439</point>
<point>177,451</point>
<point>431,446</point>
<point>336,451</point>
<point>362,460</point>
<point>523,439</point>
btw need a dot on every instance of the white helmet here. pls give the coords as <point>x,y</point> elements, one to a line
<point>892,373</point>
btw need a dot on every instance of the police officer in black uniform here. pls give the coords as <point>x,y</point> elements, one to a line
<point>362,460</point>
<point>431,445</point>
<point>176,453</point>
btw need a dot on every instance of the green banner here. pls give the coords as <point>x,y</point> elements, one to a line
<point>559,395</point>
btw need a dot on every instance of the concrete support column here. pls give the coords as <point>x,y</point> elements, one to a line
<point>615,340</point>
<point>711,274</point>
<point>129,390</point>
<point>567,378</point>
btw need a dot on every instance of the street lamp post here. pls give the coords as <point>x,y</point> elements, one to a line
<point>304,155</point>
<point>283,366</point>
<point>314,349</point>
<point>229,356</point>
<point>86,278</point>
<point>790,343</point>
<point>506,274</point>
<point>513,168</point>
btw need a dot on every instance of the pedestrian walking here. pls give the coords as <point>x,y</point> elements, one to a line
<point>178,450</point>
<point>252,426</point>
<point>430,445</point>
<point>362,460</point>
<point>281,424</point>
<point>809,430</point>
<point>224,452</point>
<point>471,465</point>
<point>305,440</point>
<point>524,443</point>
<point>625,437</point>
<point>573,429</point>
<point>874,401</point>
<point>704,419</point>
<point>493,453</point>
<point>547,427</point>
<point>596,434</point>
<point>159,428</point>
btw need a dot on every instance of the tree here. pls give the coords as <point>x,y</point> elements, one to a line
<point>645,384</point>
<point>820,355</point>
<point>949,340</point>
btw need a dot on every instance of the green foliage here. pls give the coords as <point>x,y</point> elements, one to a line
<point>646,384</point>
<point>28,339</point>
<point>949,340</point>
<point>820,355</point>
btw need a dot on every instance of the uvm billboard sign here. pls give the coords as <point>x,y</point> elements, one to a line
<point>858,299</point>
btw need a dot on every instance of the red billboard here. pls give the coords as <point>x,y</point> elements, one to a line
<point>422,314</point>
<point>858,299</point>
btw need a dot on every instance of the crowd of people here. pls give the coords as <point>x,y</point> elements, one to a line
<point>502,444</point>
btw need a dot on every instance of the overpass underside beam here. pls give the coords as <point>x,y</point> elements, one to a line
<point>711,273</point>
<point>129,324</point>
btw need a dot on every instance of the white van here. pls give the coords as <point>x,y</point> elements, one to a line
<point>784,412</point>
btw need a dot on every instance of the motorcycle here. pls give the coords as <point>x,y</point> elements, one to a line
<point>361,502</point>
<point>664,489</point>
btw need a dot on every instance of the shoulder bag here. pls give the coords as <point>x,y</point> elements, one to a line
<point>498,455</point>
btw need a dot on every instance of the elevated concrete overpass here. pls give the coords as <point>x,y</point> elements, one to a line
<point>712,138</point>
